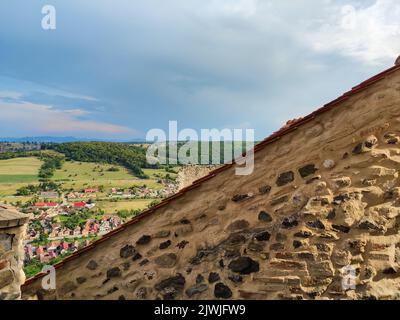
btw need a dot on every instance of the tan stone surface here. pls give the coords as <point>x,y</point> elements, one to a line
<point>12,234</point>
<point>289,241</point>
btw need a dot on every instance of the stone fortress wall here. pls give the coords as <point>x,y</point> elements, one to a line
<point>12,234</point>
<point>322,198</point>
<point>190,173</point>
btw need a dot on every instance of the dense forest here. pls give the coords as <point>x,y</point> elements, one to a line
<point>208,152</point>
<point>132,157</point>
<point>51,162</point>
<point>18,154</point>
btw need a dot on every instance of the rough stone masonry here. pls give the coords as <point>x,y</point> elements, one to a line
<point>12,234</point>
<point>323,198</point>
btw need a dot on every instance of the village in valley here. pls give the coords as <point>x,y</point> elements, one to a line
<point>64,223</point>
<point>79,204</point>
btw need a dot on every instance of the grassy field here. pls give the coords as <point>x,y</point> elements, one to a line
<point>19,170</point>
<point>112,207</point>
<point>14,199</point>
<point>158,173</point>
<point>78,175</point>
<point>15,173</point>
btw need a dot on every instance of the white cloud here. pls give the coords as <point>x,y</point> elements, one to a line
<point>43,119</point>
<point>370,34</point>
<point>10,95</point>
<point>245,8</point>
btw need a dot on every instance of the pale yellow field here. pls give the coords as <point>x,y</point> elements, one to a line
<point>20,166</point>
<point>78,175</point>
<point>111,207</point>
<point>16,173</point>
<point>13,200</point>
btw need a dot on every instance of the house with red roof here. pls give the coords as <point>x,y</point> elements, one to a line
<point>79,205</point>
<point>46,205</point>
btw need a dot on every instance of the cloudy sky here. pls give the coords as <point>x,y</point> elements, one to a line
<point>116,69</point>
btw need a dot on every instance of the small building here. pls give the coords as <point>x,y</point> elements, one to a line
<point>49,194</point>
<point>46,205</point>
<point>77,231</point>
<point>79,205</point>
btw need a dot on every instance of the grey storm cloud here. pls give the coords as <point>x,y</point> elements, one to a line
<point>207,64</point>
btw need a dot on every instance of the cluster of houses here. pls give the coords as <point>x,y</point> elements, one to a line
<point>92,227</point>
<point>52,250</point>
<point>58,234</point>
<point>87,193</point>
<point>63,208</point>
<point>7,146</point>
<point>144,192</point>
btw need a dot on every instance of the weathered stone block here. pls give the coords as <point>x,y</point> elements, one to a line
<point>6,241</point>
<point>264,216</point>
<point>213,277</point>
<point>244,265</point>
<point>81,280</point>
<point>184,230</point>
<point>308,256</point>
<point>67,287</point>
<point>238,225</point>
<point>284,255</point>
<point>287,264</point>
<point>222,291</point>
<point>343,182</point>
<point>321,269</point>
<point>197,289</point>
<point>279,200</point>
<point>307,170</point>
<point>329,164</point>
<point>303,234</point>
<point>263,236</point>
<point>6,278</point>
<point>265,189</point>
<point>341,257</point>
<point>317,224</point>
<point>253,295</point>
<point>392,138</point>
<point>165,244</point>
<point>366,146</point>
<point>167,260</point>
<point>127,251</point>
<point>256,246</point>
<point>113,272</point>
<point>145,239</point>
<point>241,197</point>
<point>162,234</point>
<point>277,246</point>
<point>290,222</point>
<point>92,265</point>
<point>380,256</point>
<point>285,178</point>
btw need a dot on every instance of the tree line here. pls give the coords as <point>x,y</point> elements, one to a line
<point>131,157</point>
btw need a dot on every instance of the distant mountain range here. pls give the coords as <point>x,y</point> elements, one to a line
<point>41,139</point>
<point>49,139</point>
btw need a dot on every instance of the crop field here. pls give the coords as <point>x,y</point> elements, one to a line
<point>113,207</point>
<point>75,175</point>
<point>15,173</point>
<point>78,175</point>
<point>19,170</point>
